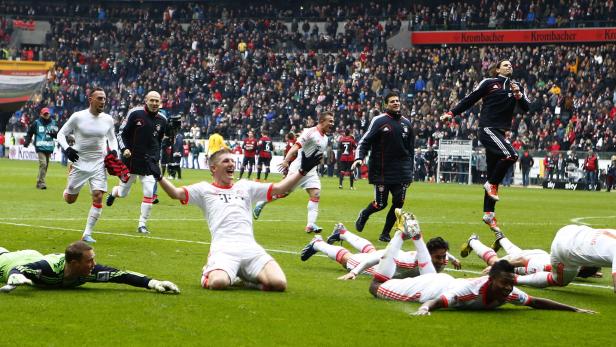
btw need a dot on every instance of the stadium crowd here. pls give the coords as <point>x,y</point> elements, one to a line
<point>238,74</point>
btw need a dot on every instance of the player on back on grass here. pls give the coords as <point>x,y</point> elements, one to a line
<point>227,208</point>
<point>364,261</point>
<point>437,290</point>
<point>311,140</point>
<point>72,269</point>
<point>500,96</point>
<point>94,132</point>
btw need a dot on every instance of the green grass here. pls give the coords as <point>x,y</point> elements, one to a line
<point>317,309</point>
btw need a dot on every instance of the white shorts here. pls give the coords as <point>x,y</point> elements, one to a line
<point>311,180</point>
<point>95,175</point>
<point>245,262</point>
<point>418,289</point>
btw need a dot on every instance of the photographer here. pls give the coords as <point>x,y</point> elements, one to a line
<point>44,130</point>
<point>140,139</point>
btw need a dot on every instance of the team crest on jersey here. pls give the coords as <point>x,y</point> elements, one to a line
<point>139,122</point>
<point>103,276</point>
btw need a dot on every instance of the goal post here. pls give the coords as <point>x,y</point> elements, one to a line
<point>454,161</point>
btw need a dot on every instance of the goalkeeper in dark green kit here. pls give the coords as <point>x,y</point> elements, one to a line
<point>73,268</point>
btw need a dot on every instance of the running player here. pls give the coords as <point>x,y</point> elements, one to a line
<point>311,140</point>
<point>234,252</point>
<point>93,130</point>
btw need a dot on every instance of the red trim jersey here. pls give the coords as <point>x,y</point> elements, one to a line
<point>472,294</point>
<point>250,147</point>
<point>265,147</point>
<point>347,146</point>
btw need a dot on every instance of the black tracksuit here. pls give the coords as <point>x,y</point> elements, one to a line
<point>495,119</point>
<point>391,142</point>
<point>142,133</point>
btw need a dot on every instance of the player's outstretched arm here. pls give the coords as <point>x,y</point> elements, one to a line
<point>547,304</point>
<point>171,190</point>
<point>307,164</point>
<point>428,307</point>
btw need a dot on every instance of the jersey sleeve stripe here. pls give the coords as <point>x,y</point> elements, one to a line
<point>269,192</point>
<point>186,196</point>
<point>444,301</point>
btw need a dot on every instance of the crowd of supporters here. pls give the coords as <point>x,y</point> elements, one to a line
<point>235,74</point>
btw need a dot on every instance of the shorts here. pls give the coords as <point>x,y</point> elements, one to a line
<point>345,166</point>
<point>248,160</point>
<point>95,175</point>
<point>265,161</point>
<point>245,262</point>
<point>417,289</point>
<point>310,181</point>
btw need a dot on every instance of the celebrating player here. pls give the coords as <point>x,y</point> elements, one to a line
<point>391,143</point>
<point>264,149</point>
<point>346,149</point>
<point>93,131</point>
<point>250,149</point>
<point>500,97</point>
<point>311,140</point>
<point>573,247</point>
<point>140,139</point>
<point>72,269</point>
<point>436,290</point>
<point>363,262</point>
<point>234,251</point>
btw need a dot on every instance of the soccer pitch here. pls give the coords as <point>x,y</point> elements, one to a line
<point>317,309</point>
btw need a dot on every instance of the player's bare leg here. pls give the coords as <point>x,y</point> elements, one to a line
<point>272,278</point>
<point>216,280</point>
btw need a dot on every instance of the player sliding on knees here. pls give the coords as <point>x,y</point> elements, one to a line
<point>74,268</point>
<point>364,261</point>
<point>436,290</point>
<point>227,206</point>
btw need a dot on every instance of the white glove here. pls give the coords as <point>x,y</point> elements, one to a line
<point>18,279</point>
<point>163,286</point>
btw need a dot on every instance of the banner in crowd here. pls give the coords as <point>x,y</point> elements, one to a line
<point>19,80</point>
<point>25,25</point>
<point>513,36</point>
<point>570,185</point>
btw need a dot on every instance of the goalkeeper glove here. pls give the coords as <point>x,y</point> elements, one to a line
<point>308,163</point>
<point>18,279</point>
<point>71,154</point>
<point>163,286</point>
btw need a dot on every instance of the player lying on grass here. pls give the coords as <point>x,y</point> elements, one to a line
<point>574,247</point>
<point>525,261</point>
<point>227,208</point>
<point>364,262</point>
<point>73,268</point>
<point>436,290</point>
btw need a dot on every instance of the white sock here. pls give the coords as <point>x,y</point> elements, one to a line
<point>484,252</point>
<point>313,212</point>
<point>424,260</point>
<point>93,216</point>
<point>146,209</point>
<point>387,266</point>
<point>333,252</point>
<point>509,247</point>
<point>538,279</point>
<point>358,242</point>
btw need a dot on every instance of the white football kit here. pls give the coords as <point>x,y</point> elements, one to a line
<point>579,245</point>
<point>92,136</point>
<point>406,263</point>
<point>310,140</point>
<point>229,216</point>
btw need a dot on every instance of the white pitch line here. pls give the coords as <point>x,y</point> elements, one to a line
<point>265,220</point>
<point>269,250</point>
<point>580,220</point>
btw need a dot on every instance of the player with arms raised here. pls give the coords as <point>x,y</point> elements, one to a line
<point>311,140</point>
<point>227,208</point>
<point>93,131</point>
